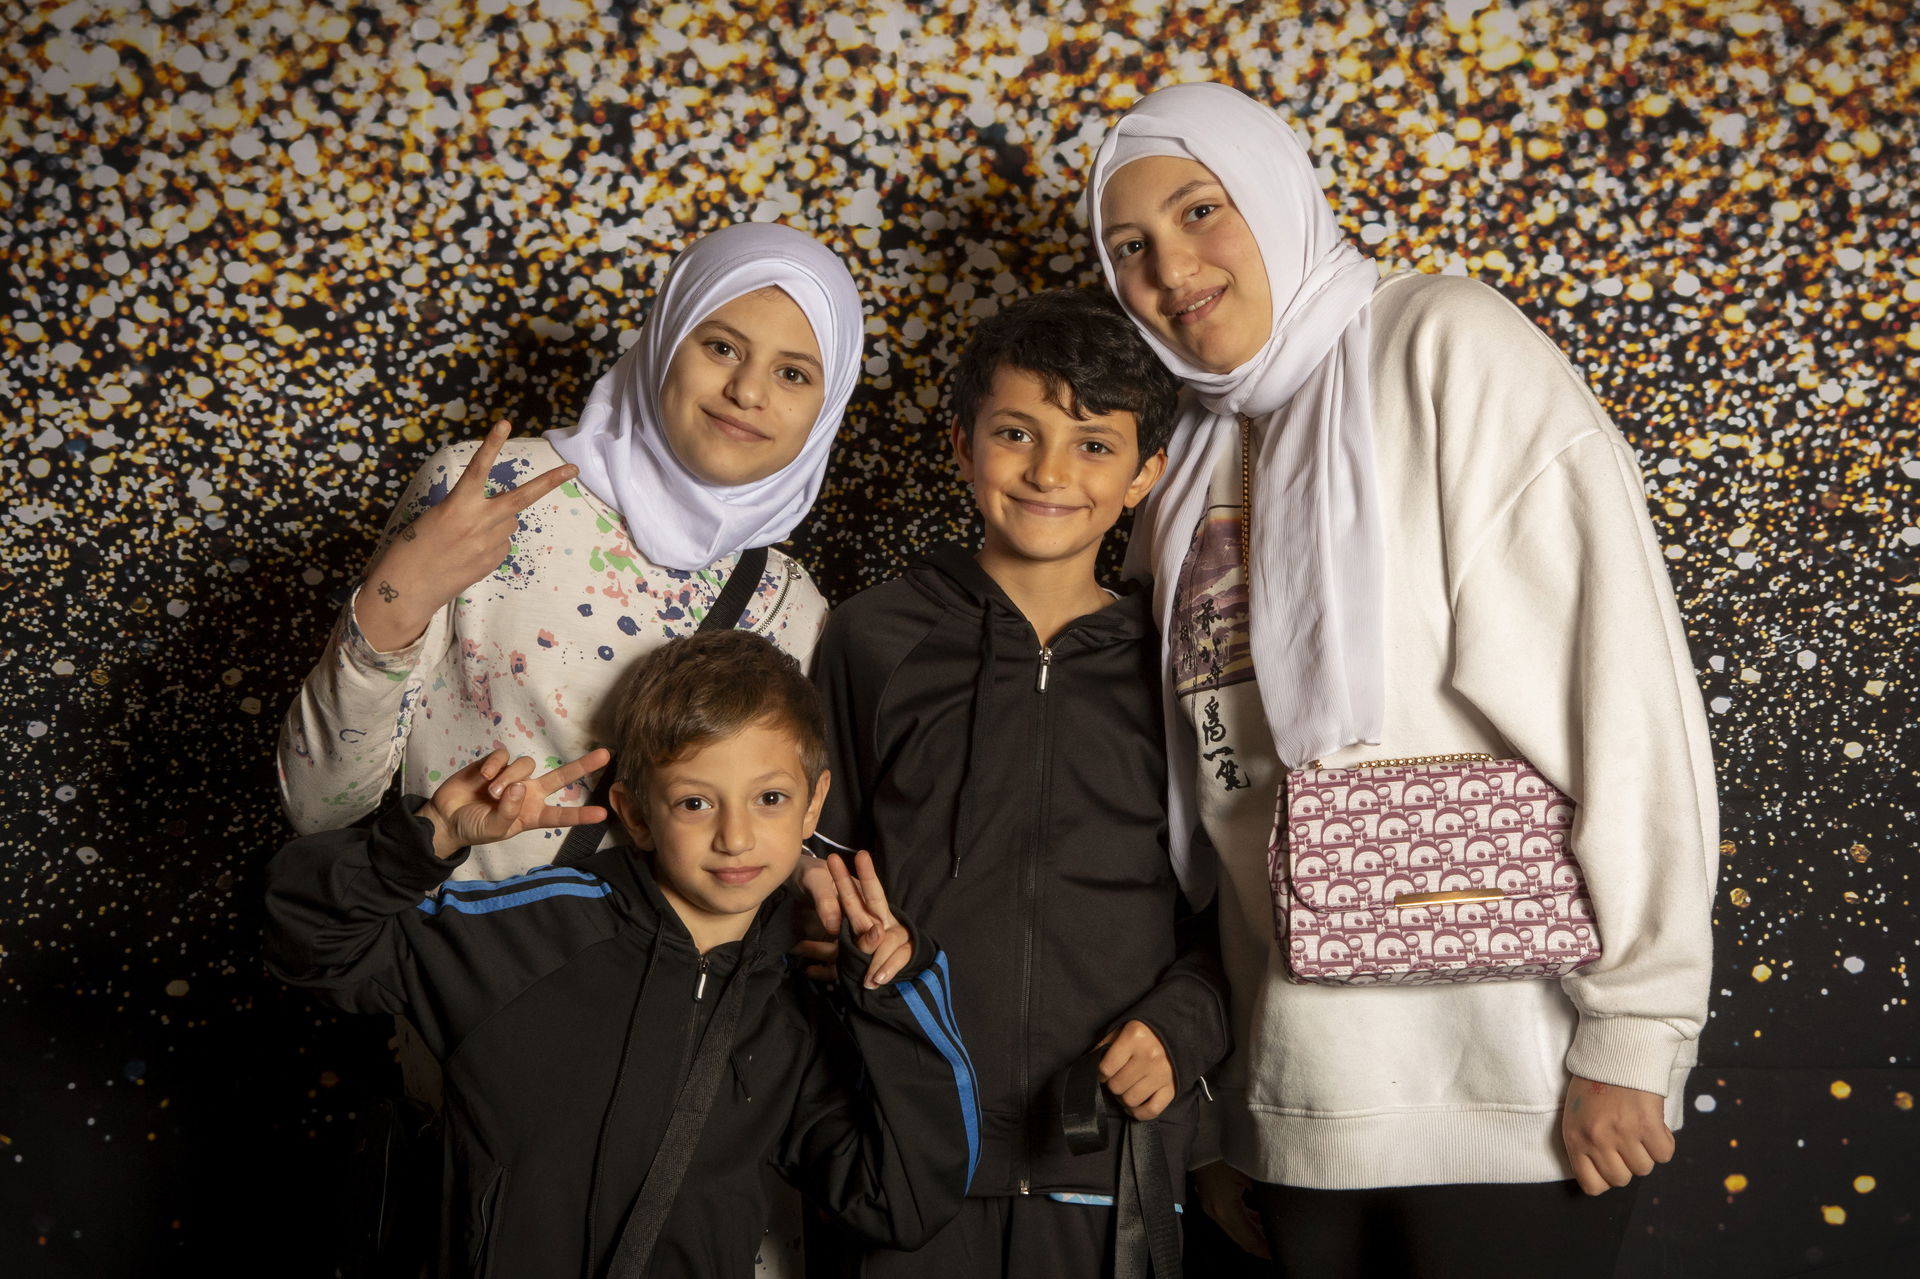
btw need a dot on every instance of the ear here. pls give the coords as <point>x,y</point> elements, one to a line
<point>815,804</point>
<point>962,438</point>
<point>1149,474</point>
<point>632,814</point>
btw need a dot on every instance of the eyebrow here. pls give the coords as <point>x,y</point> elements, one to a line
<point>798,357</point>
<point>1100,425</point>
<point>1174,197</point>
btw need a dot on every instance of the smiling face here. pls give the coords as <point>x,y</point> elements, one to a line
<point>1184,261</point>
<point>724,823</point>
<point>743,390</point>
<point>1048,485</point>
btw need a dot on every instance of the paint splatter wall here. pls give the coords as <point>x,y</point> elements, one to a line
<point>261,257</point>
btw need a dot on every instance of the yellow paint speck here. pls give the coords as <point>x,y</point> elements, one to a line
<point>1761,972</point>
<point>1841,1089</point>
<point>1735,1183</point>
<point>1903,1100</point>
<point>1864,1185</point>
<point>1833,1214</point>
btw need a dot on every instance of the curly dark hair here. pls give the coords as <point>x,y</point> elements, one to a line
<point>703,687</point>
<point>1085,351</point>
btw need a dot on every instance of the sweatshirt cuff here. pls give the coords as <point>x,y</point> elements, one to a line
<point>1186,1017</point>
<point>1627,1052</point>
<point>402,848</point>
<point>361,653</point>
<point>853,963</point>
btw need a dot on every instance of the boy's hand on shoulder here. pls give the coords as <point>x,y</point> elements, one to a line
<point>491,800</point>
<point>1137,1070</point>
<point>880,937</point>
<point>1613,1134</point>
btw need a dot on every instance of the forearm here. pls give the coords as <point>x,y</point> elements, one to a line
<point>346,730</point>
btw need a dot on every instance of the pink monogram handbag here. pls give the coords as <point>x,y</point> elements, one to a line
<point>1445,868</point>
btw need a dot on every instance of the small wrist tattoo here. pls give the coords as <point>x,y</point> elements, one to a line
<point>409,533</point>
<point>387,592</point>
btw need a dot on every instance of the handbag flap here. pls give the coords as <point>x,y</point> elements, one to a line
<point>1384,839</point>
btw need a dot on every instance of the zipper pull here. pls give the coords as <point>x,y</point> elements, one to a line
<point>700,987</point>
<point>1046,665</point>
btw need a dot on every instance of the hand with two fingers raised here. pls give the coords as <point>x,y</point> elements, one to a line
<point>491,800</point>
<point>448,548</point>
<point>876,933</point>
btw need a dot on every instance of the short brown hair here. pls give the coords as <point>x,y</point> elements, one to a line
<point>708,686</point>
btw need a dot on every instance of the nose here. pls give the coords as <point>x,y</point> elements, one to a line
<point>1173,264</point>
<point>747,387</point>
<point>1047,468</point>
<point>734,833</point>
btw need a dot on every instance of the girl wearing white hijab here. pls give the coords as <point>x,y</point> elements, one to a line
<point>518,579</point>
<point>1395,523</point>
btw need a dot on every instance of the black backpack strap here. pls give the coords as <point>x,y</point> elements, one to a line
<point>583,841</point>
<point>738,592</point>
<point>1147,1237</point>
<point>690,1107</point>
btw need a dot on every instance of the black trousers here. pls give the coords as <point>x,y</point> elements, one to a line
<point>1530,1230</point>
<point>1011,1236</point>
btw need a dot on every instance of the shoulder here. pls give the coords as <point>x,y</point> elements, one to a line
<point>878,627</point>
<point>1454,310</point>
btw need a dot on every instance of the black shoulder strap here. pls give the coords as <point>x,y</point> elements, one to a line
<point>690,1107</point>
<point>738,592</point>
<point>728,606</point>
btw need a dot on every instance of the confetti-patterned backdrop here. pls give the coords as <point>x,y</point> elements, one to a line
<point>262,256</point>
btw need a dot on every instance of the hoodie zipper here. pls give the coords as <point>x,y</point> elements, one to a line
<point>1032,892</point>
<point>693,1017</point>
<point>1046,669</point>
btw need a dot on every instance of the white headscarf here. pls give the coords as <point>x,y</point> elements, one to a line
<point>675,518</point>
<point>1316,556</point>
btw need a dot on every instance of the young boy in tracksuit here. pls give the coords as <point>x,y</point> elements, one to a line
<point>586,1016</point>
<point>995,736</point>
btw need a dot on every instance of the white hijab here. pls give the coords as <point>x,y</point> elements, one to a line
<point>1315,554</point>
<point>675,518</point>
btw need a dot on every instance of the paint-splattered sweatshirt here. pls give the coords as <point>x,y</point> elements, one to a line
<point>522,660</point>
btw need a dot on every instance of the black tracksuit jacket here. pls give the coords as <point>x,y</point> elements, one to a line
<point>1013,796</point>
<point>565,1005</point>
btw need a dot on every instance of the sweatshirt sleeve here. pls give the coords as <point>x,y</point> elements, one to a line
<point>346,730</point>
<point>1567,638</point>
<point>1187,1007</point>
<point>892,1157</point>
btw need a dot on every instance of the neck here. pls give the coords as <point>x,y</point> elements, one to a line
<point>707,929</point>
<point>1049,595</point>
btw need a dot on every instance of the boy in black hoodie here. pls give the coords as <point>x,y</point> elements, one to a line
<point>995,730</point>
<point>624,1050</point>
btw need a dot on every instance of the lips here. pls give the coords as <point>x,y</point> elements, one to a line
<point>737,876</point>
<point>734,429</point>
<point>1047,510</point>
<point>1196,307</point>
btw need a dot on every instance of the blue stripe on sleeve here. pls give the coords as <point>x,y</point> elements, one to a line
<point>939,980</point>
<point>507,901</point>
<point>956,1061</point>
<point>538,875</point>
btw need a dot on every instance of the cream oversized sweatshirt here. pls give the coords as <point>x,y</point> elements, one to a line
<point>1528,612</point>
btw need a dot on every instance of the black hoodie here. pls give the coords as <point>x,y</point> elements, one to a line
<point>1013,795</point>
<point>565,1004</point>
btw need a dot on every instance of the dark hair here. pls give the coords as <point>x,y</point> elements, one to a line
<point>708,686</point>
<point>1085,351</point>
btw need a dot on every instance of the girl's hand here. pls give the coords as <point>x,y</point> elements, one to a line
<point>1222,1191</point>
<point>447,549</point>
<point>490,800</point>
<point>1613,1134</point>
<point>875,931</point>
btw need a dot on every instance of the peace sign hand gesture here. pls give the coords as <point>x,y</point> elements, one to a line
<point>448,548</point>
<point>876,933</point>
<point>490,800</point>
